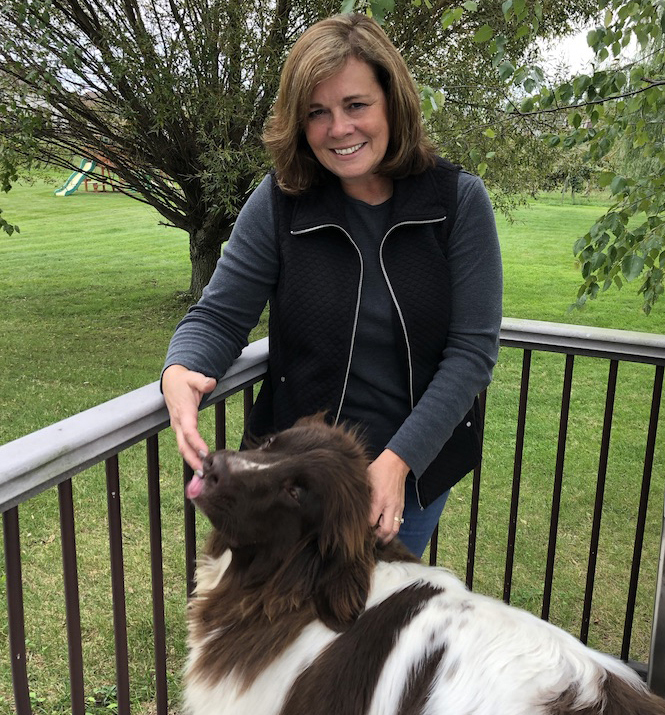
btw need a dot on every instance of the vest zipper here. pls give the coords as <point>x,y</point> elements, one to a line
<point>357,313</point>
<point>394,297</point>
<point>401,318</point>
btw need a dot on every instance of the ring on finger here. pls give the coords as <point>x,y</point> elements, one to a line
<point>400,519</point>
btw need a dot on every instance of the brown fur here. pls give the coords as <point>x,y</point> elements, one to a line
<point>298,553</point>
<point>618,698</point>
<point>294,515</point>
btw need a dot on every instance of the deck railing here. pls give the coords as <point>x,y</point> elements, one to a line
<point>51,457</point>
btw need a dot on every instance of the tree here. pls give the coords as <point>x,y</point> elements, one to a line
<point>615,114</point>
<point>618,111</point>
<point>172,95</point>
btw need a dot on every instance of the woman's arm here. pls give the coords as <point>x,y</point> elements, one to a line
<point>472,345</point>
<point>215,330</point>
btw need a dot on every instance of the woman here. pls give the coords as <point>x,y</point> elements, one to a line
<point>382,267</point>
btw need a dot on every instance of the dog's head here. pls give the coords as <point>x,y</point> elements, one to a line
<point>299,504</point>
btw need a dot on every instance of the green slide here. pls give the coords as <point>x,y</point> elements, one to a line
<point>74,181</point>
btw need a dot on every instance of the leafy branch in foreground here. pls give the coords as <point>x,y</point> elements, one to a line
<point>615,114</point>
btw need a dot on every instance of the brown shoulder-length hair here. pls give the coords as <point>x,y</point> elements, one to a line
<point>319,53</point>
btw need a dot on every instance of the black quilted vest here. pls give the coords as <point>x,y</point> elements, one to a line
<point>314,309</point>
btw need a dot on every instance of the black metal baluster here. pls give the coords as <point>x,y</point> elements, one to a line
<point>558,481</point>
<point>475,501</point>
<point>15,614</point>
<point>220,425</point>
<point>118,583</point>
<point>72,601</point>
<point>190,532</point>
<point>600,493</point>
<point>517,475</point>
<point>642,511</point>
<point>157,574</point>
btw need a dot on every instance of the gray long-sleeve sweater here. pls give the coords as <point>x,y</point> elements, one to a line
<point>214,331</point>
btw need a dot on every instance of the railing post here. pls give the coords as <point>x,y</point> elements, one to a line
<point>157,574</point>
<point>118,584</point>
<point>190,531</point>
<point>16,621</point>
<point>72,600</point>
<point>656,673</point>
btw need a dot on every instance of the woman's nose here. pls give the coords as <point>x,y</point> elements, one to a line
<point>340,125</point>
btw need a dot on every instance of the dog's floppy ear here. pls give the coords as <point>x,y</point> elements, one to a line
<point>293,585</point>
<point>336,587</point>
<point>341,590</point>
<point>346,543</point>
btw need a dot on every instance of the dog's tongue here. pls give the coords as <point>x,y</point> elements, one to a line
<point>194,487</point>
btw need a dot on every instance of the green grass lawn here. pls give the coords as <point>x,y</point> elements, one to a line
<point>89,290</point>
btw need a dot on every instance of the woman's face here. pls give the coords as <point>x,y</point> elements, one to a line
<point>347,127</point>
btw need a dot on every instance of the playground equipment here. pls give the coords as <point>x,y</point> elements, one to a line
<point>82,176</point>
<point>74,181</point>
<point>104,177</point>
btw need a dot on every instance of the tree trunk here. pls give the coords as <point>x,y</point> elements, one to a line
<point>204,251</point>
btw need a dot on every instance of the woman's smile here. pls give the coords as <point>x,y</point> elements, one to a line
<point>350,150</point>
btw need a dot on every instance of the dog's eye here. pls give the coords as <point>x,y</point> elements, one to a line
<point>295,493</point>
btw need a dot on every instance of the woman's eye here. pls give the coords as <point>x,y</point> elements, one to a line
<point>315,113</point>
<point>357,105</point>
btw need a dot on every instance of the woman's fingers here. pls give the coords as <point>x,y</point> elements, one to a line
<point>183,390</point>
<point>387,475</point>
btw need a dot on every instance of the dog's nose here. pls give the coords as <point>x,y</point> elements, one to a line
<point>215,465</point>
<point>208,462</point>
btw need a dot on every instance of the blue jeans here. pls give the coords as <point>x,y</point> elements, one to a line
<point>416,531</point>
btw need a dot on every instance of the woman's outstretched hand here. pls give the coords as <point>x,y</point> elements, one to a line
<point>183,391</point>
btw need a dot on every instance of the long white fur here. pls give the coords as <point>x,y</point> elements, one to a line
<point>497,659</point>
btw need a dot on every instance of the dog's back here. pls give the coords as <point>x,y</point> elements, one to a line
<point>298,611</point>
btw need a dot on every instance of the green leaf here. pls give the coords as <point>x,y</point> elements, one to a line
<point>483,34</point>
<point>482,168</point>
<point>519,6</point>
<point>580,245</point>
<point>451,16</point>
<point>470,6</point>
<point>347,6</point>
<point>581,84</point>
<point>527,104</point>
<point>490,133</point>
<point>380,8</point>
<point>598,260</point>
<point>632,266</point>
<point>529,84</point>
<point>605,178</point>
<point>506,8</point>
<point>506,70</point>
<point>618,184</point>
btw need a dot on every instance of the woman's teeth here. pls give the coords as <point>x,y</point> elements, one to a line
<point>350,150</point>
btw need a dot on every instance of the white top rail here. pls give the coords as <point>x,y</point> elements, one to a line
<point>44,458</point>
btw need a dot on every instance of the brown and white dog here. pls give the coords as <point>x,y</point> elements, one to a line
<point>298,611</point>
